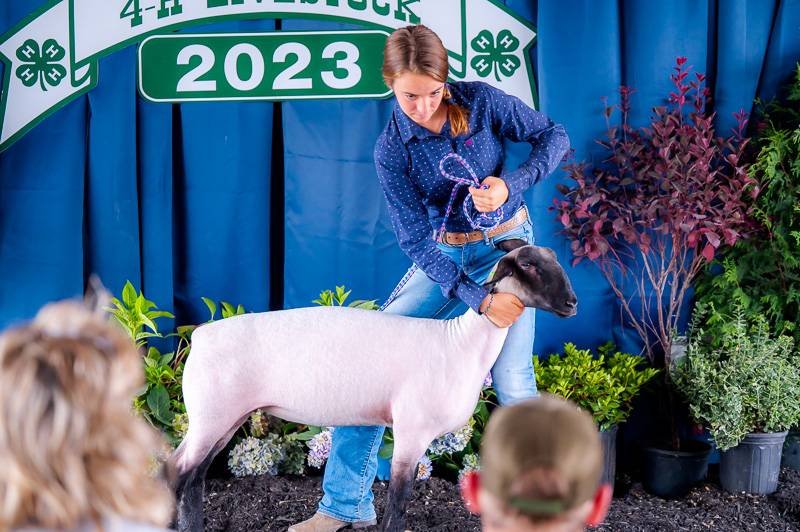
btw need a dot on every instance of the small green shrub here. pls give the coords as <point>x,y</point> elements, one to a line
<point>743,382</point>
<point>603,385</point>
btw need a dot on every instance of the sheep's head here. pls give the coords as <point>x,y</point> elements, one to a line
<point>533,274</point>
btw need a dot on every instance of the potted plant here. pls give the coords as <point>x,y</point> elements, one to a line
<point>604,385</point>
<point>762,273</point>
<point>745,388</point>
<point>652,215</point>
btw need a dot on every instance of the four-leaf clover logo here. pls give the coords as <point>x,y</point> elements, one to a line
<point>495,54</point>
<point>41,65</point>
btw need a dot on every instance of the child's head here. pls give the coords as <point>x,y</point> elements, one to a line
<point>70,447</point>
<point>541,463</point>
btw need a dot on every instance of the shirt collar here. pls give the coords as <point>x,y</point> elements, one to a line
<point>407,127</point>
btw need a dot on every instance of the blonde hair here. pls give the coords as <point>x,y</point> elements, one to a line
<point>542,459</point>
<point>417,49</point>
<point>70,447</point>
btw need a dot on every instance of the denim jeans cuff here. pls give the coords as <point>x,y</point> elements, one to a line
<point>330,513</point>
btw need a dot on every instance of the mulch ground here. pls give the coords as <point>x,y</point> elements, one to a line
<point>274,503</point>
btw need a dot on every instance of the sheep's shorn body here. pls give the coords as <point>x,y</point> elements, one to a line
<point>334,366</point>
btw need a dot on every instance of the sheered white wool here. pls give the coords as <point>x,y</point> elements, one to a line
<point>330,366</point>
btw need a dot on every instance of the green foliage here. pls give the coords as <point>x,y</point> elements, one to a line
<point>161,400</point>
<point>604,386</point>
<point>745,382</point>
<point>228,310</point>
<point>294,461</point>
<point>762,273</point>
<point>328,298</point>
<point>134,313</point>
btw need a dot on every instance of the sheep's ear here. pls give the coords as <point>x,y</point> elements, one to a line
<point>504,268</point>
<point>511,244</point>
<point>97,297</point>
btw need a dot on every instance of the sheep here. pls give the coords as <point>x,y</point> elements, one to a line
<point>334,366</point>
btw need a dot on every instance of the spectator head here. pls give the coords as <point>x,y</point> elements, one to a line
<point>541,463</point>
<point>71,449</point>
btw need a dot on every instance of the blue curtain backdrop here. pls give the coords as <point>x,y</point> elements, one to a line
<point>268,204</point>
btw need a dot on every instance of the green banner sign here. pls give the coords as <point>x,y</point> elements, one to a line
<point>263,66</point>
<point>50,58</point>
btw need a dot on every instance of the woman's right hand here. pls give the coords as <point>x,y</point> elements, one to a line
<point>504,310</point>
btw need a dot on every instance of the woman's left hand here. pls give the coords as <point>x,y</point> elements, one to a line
<point>492,198</point>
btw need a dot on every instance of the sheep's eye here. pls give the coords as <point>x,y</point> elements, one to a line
<point>526,265</point>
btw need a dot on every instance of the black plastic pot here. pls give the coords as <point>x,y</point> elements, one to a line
<point>791,451</point>
<point>753,465</point>
<point>609,440</point>
<point>671,474</point>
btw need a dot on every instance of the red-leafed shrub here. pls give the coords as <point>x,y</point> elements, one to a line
<point>666,198</point>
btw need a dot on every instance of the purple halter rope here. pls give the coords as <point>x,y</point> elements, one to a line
<point>485,221</point>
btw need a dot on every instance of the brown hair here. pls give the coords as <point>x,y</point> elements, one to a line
<point>71,449</point>
<point>417,49</point>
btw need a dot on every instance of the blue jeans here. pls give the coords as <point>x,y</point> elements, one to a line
<point>353,461</point>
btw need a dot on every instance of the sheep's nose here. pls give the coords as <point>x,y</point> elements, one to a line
<point>571,303</point>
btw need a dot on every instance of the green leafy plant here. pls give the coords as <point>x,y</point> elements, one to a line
<point>329,298</point>
<point>134,312</point>
<point>604,385</point>
<point>762,273</point>
<point>161,399</point>
<point>748,382</point>
<point>228,310</point>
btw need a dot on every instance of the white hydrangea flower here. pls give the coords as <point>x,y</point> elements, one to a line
<point>253,456</point>
<point>319,448</point>
<point>471,463</point>
<point>424,468</point>
<point>452,442</point>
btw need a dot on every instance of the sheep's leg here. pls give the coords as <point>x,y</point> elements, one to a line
<point>192,460</point>
<point>407,453</point>
<point>191,486</point>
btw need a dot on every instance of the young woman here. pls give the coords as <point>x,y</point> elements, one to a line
<point>433,118</point>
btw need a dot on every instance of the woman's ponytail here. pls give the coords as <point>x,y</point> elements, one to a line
<point>459,117</point>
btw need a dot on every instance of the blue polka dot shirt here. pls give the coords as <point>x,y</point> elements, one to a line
<point>407,160</point>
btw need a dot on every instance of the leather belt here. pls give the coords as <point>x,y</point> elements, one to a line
<point>458,239</point>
